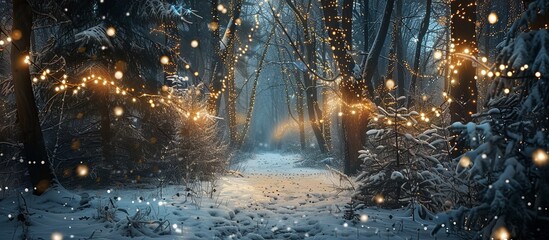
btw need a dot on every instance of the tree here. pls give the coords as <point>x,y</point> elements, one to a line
<point>417,57</point>
<point>509,146</point>
<point>463,87</point>
<point>356,89</point>
<point>34,149</point>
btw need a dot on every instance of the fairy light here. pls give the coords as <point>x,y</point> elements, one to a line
<point>194,43</point>
<point>492,18</point>
<point>464,162</point>
<point>540,157</point>
<point>164,60</point>
<point>111,32</point>
<point>82,170</point>
<point>438,54</point>
<point>501,234</point>
<point>118,75</point>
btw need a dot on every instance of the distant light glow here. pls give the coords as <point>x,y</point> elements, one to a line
<point>194,43</point>
<point>540,157</point>
<point>501,234</point>
<point>82,170</point>
<point>492,18</point>
<point>464,161</point>
<point>438,54</point>
<point>118,75</point>
<point>111,32</point>
<point>164,60</point>
<point>56,236</point>
<point>118,111</point>
<point>390,84</point>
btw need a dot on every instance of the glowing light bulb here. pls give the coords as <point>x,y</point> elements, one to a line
<point>118,111</point>
<point>540,157</point>
<point>194,43</point>
<point>111,32</point>
<point>464,162</point>
<point>82,170</point>
<point>164,60</point>
<point>492,18</point>
<point>379,199</point>
<point>118,75</point>
<point>501,234</point>
<point>390,84</point>
<point>437,54</point>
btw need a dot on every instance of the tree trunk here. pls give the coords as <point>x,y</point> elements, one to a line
<point>228,56</point>
<point>309,47</point>
<point>417,57</point>
<point>34,149</point>
<point>463,88</point>
<point>366,25</point>
<point>354,109</point>
<point>102,96</point>
<point>373,56</point>
<point>400,58</point>
<point>216,84</point>
<point>300,111</point>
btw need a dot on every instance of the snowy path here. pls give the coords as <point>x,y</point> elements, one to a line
<point>273,199</point>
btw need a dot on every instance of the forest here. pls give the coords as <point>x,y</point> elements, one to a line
<point>274,119</point>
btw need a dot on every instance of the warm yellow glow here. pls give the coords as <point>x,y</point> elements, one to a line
<point>506,91</point>
<point>492,18</point>
<point>118,75</point>
<point>501,234</point>
<point>501,67</point>
<point>464,162</point>
<point>82,170</point>
<point>540,157</point>
<point>194,43</point>
<point>111,32</point>
<point>390,84</point>
<point>437,54</point>
<point>164,60</point>
<point>118,111</point>
<point>56,236</point>
<point>379,199</point>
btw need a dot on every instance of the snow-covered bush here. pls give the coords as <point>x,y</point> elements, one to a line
<point>508,147</point>
<point>403,160</point>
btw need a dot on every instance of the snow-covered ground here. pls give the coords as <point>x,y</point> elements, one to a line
<point>270,199</point>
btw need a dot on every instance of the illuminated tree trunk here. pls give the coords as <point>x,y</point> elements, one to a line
<point>248,120</point>
<point>34,149</point>
<point>327,121</point>
<point>228,58</point>
<point>463,88</point>
<point>354,115</point>
<point>311,94</point>
<point>216,78</point>
<point>417,57</point>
